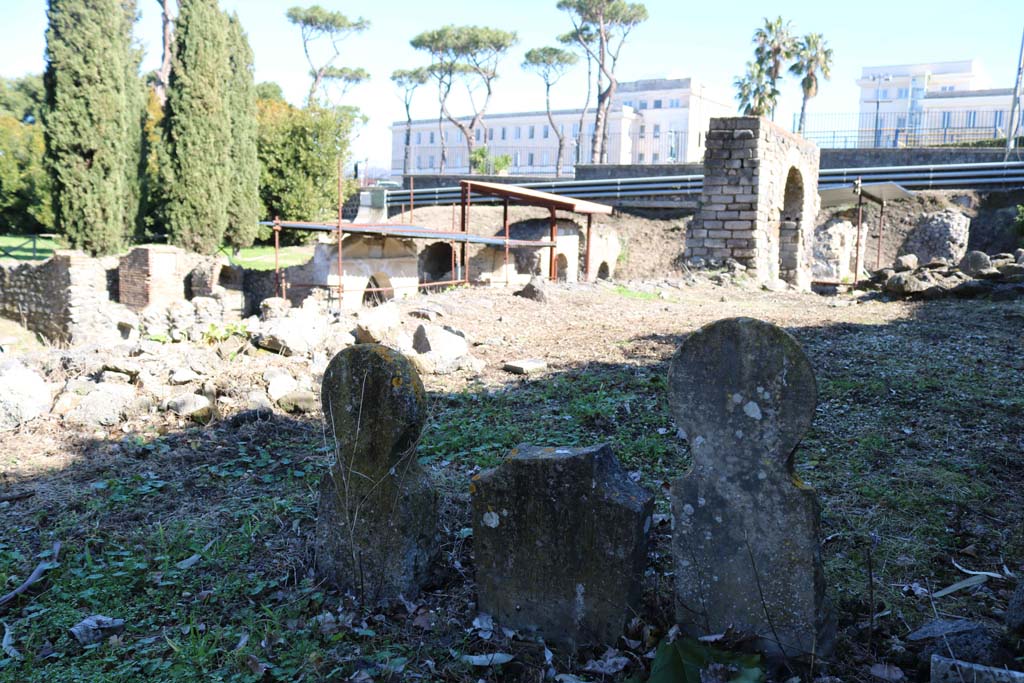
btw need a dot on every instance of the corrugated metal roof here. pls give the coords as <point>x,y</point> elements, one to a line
<point>537,198</point>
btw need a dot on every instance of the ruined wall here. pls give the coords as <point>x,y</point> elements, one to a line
<point>64,299</point>
<point>154,275</point>
<point>759,201</point>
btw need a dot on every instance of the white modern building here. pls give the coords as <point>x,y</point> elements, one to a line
<point>650,122</point>
<point>930,103</point>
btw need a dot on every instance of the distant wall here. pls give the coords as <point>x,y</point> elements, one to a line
<point>433,180</point>
<point>63,299</point>
<point>604,171</point>
<point>910,156</point>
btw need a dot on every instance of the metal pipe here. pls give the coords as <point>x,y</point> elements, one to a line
<point>412,195</point>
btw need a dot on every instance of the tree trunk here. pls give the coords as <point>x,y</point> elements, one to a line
<point>443,161</point>
<point>583,114</point>
<point>163,75</point>
<point>554,129</point>
<point>803,115</point>
<point>408,146</point>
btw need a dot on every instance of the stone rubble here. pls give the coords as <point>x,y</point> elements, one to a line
<point>996,276</point>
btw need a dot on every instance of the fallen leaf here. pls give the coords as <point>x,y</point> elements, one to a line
<point>8,644</point>
<point>189,562</point>
<point>975,580</point>
<point>493,659</point>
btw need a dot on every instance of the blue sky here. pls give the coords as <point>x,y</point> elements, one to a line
<point>707,40</point>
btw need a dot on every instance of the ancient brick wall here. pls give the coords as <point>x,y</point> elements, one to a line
<point>153,275</point>
<point>64,299</point>
<point>759,201</point>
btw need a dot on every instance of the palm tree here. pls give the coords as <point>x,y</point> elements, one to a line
<point>755,91</point>
<point>813,56</point>
<point>775,44</point>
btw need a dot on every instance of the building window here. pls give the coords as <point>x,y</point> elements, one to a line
<point>544,159</point>
<point>643,104</point>
<point>883,94</point>
<point>643,131</point>
<point>504,133</point>
<point>640,158</point>
<point>657,130</point>
<point>477,135</point>
<point>431,160</point>
<point>675,103</point>
<point>575,129</point>
<point>490,134</point>
<point>561,129</point>
<point>998,118</point>
<point>971,119</point>
<point>431,137</point>
<point>654,158</point>
<point>947,117</point>
<point>947,88</point>
<point>531,133</point>
<point>903,93</point>
<point>529,159</point>
<point>419,138</point>
<point>519,135</point>
<point>419,161</point>
<point>628,103</point>
<point>460,137</point>
<point>657,104</point>
<point>545,132</point>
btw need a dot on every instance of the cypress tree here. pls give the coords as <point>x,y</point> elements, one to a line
<point>91,121</point>
<point>244,202</point>
<point>197,129</point>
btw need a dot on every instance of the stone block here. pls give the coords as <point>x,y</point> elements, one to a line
<point>560,544</point>
<point>747,537</point>
<point>376,531</point>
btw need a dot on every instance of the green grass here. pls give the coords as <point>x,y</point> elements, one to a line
<point>622,290</point>
<point>20,247</point>
<point>262,257</point>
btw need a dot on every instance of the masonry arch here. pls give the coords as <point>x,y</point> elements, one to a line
<point>791,218</point>
<point>435,262</point>
<point>603,272</point>
<point>561,267</point>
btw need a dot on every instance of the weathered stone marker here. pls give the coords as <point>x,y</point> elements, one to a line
<point>746,530</point>
<point>560,543</point>
<point>376,528</point>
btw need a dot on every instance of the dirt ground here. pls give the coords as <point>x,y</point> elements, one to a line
<point>917,453</point>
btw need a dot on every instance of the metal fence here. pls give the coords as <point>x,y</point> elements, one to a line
<point>905,129</point>
<point>947,176</point>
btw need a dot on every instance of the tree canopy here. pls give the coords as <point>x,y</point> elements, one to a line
<point>323,27</point>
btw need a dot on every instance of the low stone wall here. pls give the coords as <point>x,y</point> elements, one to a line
<point>64,299</point>
<point>435,180</point>
<point>613,171</point>
<point>910,156</point>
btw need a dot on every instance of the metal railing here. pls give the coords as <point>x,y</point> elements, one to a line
<point>945,176</point>
<point>932,128</point>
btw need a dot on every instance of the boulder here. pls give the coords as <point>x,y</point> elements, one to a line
<point>24,395</point>
<point>835,249</point>
<point>375,324</point>
<point>105,405</point>
<point>909,283</point>
<point>905,262</point>
<point>974,262</point>
<point>273,308</point>
<point>442,343</point>
<point>296,334</point>
<point>299,401</point>
<point>191,406</point>
<point>280,385</point>
<point>941,234</point>
<point>183,376</point>
<point>535,290</point>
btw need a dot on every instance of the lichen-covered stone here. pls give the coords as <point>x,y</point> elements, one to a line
<point>560,541</point>
<point>746,530</point>
<point>377,517</point>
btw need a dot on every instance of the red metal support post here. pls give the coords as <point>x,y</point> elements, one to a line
<point>860,224</point>
<point>881,232</point>
<point>552,260</point>
<point>278,283</point>
<point>505,221</point>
